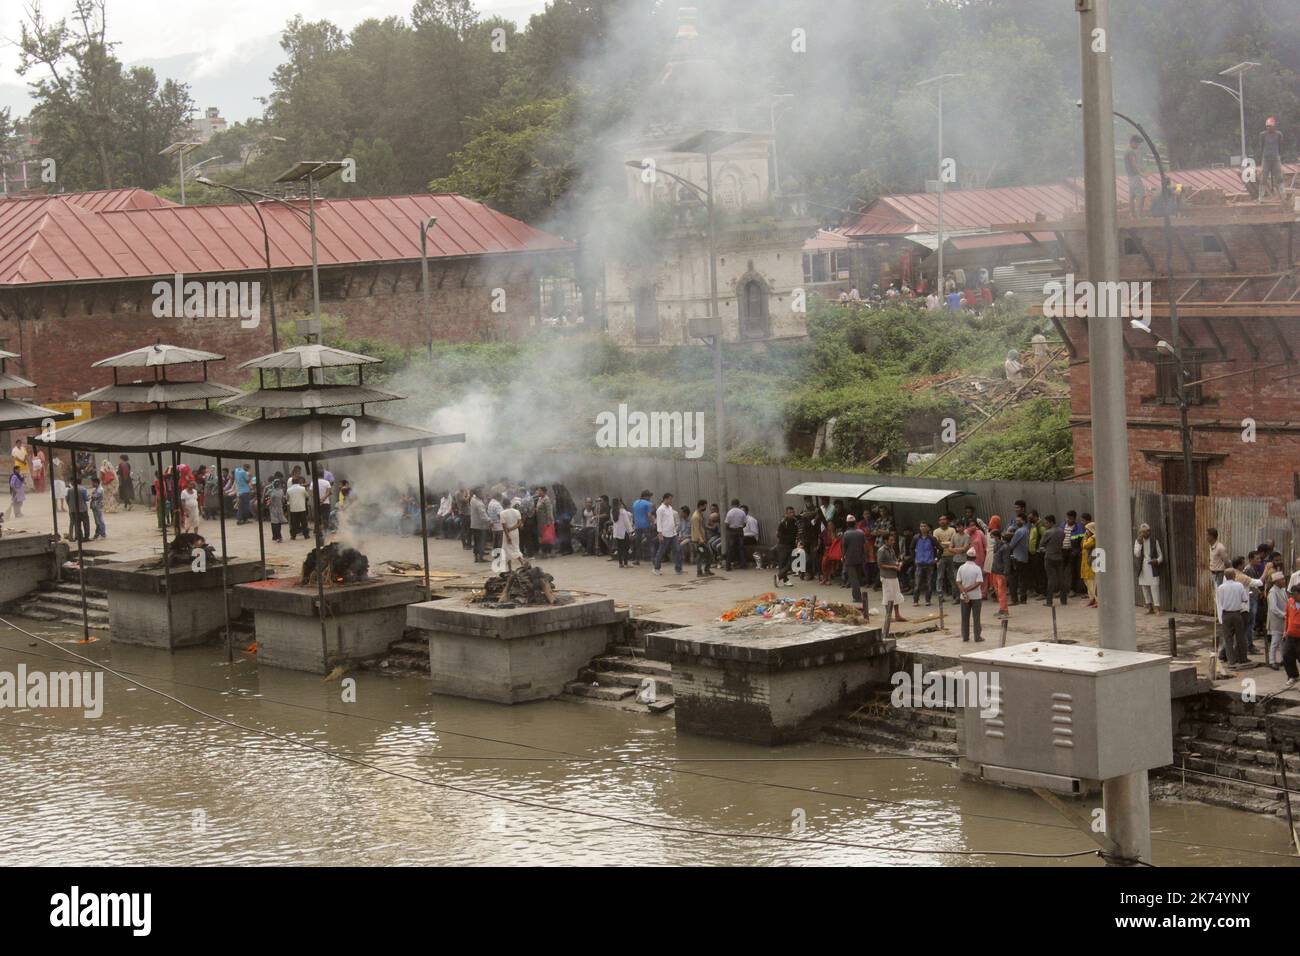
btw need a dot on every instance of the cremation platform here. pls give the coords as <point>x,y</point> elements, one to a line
<point>361,620</point>
<point>137,599</point>
<point>513,655</point>
<point>768,682</point>
<point>25,561</point>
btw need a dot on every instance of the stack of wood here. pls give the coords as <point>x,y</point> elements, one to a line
<point>530,585</point>
<point>335,565</point>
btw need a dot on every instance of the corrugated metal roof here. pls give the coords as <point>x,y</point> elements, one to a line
<point>314,437</point>
<point>974,209</point>
<point>121,236</point>
<point>17,414</point>
<point>140,431</point>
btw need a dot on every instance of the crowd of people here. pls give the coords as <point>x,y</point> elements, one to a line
<point>526,521</point>
<point>962,290</point>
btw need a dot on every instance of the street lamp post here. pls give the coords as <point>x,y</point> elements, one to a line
<point>248,196</point>
<point>1239,94</point>
<point>312,171</point>
<point>937,82</point>
<point>180,150</point>
<point>425,226</point>
<point>1128,814</point>
<point>1175,349</point>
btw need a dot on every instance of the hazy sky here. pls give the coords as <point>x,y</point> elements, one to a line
<point>224,50</point>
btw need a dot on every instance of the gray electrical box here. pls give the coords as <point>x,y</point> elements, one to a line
<point>1069,710</point>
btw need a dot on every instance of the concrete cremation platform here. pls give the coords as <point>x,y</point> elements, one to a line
<point>137,599</point>
<point>768,682</point>
<point>513,655</point>
<point>361,620</point>
<point>25,561</point>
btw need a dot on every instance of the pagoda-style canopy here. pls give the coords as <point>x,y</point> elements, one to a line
<point>141,431</point>
<point>310,356</point>
<point>312,438</point>
<point>157,355</point>
<point>19,414</point>
<point>159,392</point>
<point>306,397</point>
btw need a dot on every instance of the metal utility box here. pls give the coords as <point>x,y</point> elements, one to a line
<point>1069,710</point>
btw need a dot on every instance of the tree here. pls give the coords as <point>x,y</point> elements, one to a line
<point>96,120</point>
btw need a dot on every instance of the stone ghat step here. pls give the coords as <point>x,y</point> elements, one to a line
<point>599,691</point>
<point>638,665</point>
<point>884,736</point>
<point>71,587</point>
<point>1167,782</point>
<point>1242,756</point>
<point>98,620</point>
<point>409,647</point>
<point>631,679</point>
<point>60,599</point>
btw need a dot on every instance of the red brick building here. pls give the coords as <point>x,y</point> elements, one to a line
<point>1238,300</point>
<point>78,271</point>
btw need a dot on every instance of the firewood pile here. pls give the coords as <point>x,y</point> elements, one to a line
<point>530,585</point>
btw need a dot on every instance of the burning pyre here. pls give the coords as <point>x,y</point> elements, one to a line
<point>180,551</point>
<point>336,565</point>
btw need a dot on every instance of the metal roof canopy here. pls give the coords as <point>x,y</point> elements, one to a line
<point>887,493</point>
<point>8,381</point>
<point>157,354</point>
<point>302,397</point>
<point>313,355</point>
<point>141,431</point>
<point>313,437</point>
<point>16,414</point>
<point>147,393</point>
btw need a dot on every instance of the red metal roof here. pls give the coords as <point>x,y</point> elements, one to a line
<point>121,234</point>
<point>965,209</point>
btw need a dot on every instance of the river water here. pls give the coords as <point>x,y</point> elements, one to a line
<point>150,782</point>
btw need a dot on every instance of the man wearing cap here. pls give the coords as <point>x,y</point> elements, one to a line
<point>1148,558</point>
<point>1270,152</point>
<point>854,555</point>
<point>970,582</point>
<point>1276,604</point>
<point>1232,598</point>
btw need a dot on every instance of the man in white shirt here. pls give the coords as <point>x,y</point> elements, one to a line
<point>970,581</point>
<point>749,543</point>
<point>735,523</point>
<point>1231,598</point>
<point>323,491</point>
<point>297,496</point>
<point>494,510</point>
<point>511,520</point>
<point>666,527</point>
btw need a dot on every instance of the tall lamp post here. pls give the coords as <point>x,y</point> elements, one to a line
<point>425,226</point>
<point>937,82</point>
<point>1174,348</point>
<point>1239,94</point>
<point>1126,798</point>
<point>250,196</point>
<point>312,172</point>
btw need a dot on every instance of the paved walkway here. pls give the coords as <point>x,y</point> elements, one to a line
<point>676,598</point>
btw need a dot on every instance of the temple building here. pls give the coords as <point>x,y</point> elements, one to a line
<point>704,134</point>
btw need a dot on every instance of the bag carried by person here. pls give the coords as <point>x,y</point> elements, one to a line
<point>548,534</point>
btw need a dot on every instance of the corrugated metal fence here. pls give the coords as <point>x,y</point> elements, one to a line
<point>1178,521</point>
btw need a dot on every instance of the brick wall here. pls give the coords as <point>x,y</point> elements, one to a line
<point>1267,467</point>
<point>60,331</point>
